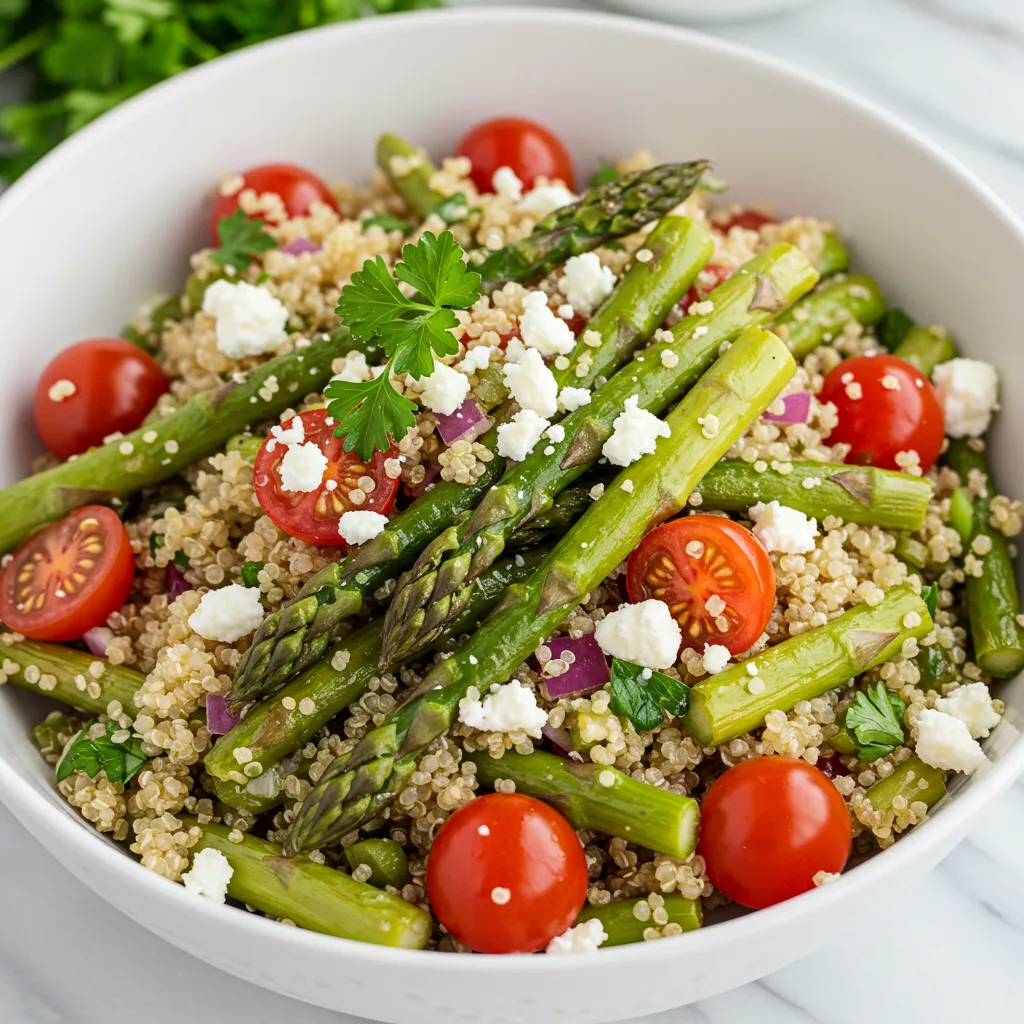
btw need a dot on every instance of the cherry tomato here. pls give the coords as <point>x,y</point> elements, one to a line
<point>313,516</point>
<point>94,389</point>
<point>527,147</point>
<point>707,281</point>
<point>885,406</point>
<point>68,576</point>
<point>768,826</point>
<point>506,874</point>
<point>690,561</point>
<point>296,186</point>
<point>749,220</point>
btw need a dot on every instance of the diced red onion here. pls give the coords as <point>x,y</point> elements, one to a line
<point>98,640</point>
<point>559,738</point>
<point>796,409</point>
<point>218,719</point>
<point>176,582</point>
<point>587,672</point>
<point>466,423</point>
<point>300,245</point>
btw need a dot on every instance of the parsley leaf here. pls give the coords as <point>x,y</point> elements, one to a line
<point>646,698</point>
<point>454,209</point>
<point>893,328</point>
<point>606,173</point>
<point>388,223</point>
<point>121,761</point>
<point>875,722</point>
<point>251,573</point>
<point>930,596</point>
<point>369,415</point>
<point>241,238</point>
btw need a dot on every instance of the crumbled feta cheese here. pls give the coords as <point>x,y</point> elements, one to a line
<point>541,329</point>
<point>514,350</point>
<point>565,311</point>
<point>227,614</point>
<point>532,384</point>
<point>969,391</point>
<point>303,467</point>
<point>517,438</point>
<point>294,433</point>
<point>571,399</point>
<point>543,199</point>
<point>353,368</point>
<point>586,282</point>
<point>556,432</point>
<point>784,529</point>
<point>944,742</point>
<point>972,704</point>
<point>250,321</point>
<point>444,390</point>
<point>643,633</point>
<point>580,938</point>
<point>510,707</point>
<point>716,657</point>
<point>506,183</point>
<point>209,875</point>
<point>478,358</point>
<point>635,432</point>
<point>358,526</point>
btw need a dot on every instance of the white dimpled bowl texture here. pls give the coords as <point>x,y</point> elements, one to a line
<point>114,213</point>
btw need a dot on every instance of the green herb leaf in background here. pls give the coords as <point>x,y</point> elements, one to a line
<point>120,761</point>
<point>388,223</point>
<point>645,696</point>
<point>241,238</point>
<point>251,573</point>
<point>930,596</point>
<point>605,174</point>
<point>875,721</point>
<point>454,209</point>
<point>893,328</point>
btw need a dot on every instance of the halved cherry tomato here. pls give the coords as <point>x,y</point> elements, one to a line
<point>768,826</point>
<point>296,186</point>
<point>313,516</point>
<point>749,220</point>
<point>530,149</point>
<point>94,389</point>
<point>506,874</point>
<point>885,406</point>
<point>68,576</point>
<point>693,560</point>
<point>707,281</point>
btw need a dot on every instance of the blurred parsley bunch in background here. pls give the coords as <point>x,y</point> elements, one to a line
<point>86,56</point>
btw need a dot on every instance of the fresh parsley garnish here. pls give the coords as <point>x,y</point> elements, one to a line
<point>875,722</point>
<point>930,596</point>
<point>645,696</point>
<point>241,238</point>
<point>454,209</point>
<point>605,174</point>
<point>388,223</point>
<point>251,573</point>
<point>121,761</point>
<point>411,332</point>
<point>893,328</point>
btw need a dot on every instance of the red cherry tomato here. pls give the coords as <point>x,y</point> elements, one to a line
<point>506,874</point>
<point>885,406</point>
<point>94,389</point>
<point>68,576</point>
<point>313,516</point>
<point>692,560</point>
<point>296,186</point>
<point>768,826</point>
<point>527,147</point>
<point>749,220</point>
<point>707,281</point>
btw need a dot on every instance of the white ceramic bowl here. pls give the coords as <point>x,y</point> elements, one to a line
<point>114,213</point>
<point>706,11</point>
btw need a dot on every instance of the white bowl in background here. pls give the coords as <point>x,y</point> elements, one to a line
<point>114,213</point>
<point>706,11</point>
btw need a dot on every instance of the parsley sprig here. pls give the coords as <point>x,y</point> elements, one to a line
<point>121,761</point>
<point>412,331</point>
<point>241,238</point>
<point>645,696</point>
<point>875,722</point>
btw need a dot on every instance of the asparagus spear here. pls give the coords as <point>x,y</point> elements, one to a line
<point>735,391</point>
<point>926,347</point>
<point>296,635</point>
<point>314,896</point>
<point>414,184</point>
<point>52,734</point>
<point>859,494</point>
<point>993,603</point>
<point>823,314</point>
<point>567,507</point>
<point>913,780</point>
<point>805,666</point>
<point>385,858</point>
<point>834,258</point>
<point>441,579</point>
<point>622,926</point>
<point>597,797</point>
<point>165,447</point>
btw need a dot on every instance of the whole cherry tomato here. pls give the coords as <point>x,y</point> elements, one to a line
<point>530,149</point>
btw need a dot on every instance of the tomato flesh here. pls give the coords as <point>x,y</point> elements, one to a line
<point>707,281</point>
<point>885,406</point>
<point>506,874</point>
<point>530,149</point>
<point>313,516</point>
<point>68,576</point>
<point>297,187</point>
<point>768,826</point>
<point>749,220</point>
<point>688,562</point>
<point>93,389</point>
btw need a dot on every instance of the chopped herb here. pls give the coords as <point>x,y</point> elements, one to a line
<point>388,223</point>
<point>251,572</point>
<point>709,183</point>
<point>241,238</point>
<point>155,540</point>
<point>121,761</point>
<point>455,208</point>
<point>930,596</point>
<point>893,328</point>
<point>875,722</point>
<point>646,699</point>
<point>181,561</point>
<point>605,174</point>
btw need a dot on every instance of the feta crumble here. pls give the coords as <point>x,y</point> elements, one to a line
<point>353,368</point>
<point>716,657</point>
<point>532,384</point>
<point>506,183</point>
<point>644,633</point>
<point>507,708</point>
<point>227,614</point>
<point>972,704</point>
<point>783,529</point>
<point>541,329</point>
<point>635,432</point>
<point>944,742</point>
<point>586,283</point>
<point>359,526</point>
<point>478,358</point>
<point>209,875</point>
<point>303,467</point>
<point>570,399</point>
<point>544,199</point>
<point>584,937</point>
<point>517,438</point>
<point>969,392</point>
<point>250,321</point>
<point>294,433</point>
<point>444,390</point>
<point>556,432</point>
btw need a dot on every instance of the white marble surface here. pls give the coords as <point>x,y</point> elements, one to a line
<point>952,949</point>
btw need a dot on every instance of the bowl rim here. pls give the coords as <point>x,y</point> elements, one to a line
<point>27,804</point>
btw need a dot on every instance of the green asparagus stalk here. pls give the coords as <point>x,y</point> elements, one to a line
<point>622,926</point>
<point>441,580</point>
<point>858,494</point>
<point>734,392</point>
<point>594,796</point>
<point>314,896</point>
<point>296,635</point>
<point>414,184</point>
<point>834,258</point>
<point>805,666</point>
<point>912,551</point>
<point>913,780</point>
<point>820,317</point>
<point>52,734</point>
<point>385,858</point>
<point>925,348</point>
<point>993,603</point>
<point>961,513</point>
<point>567,507</point>
<point>165,447</point>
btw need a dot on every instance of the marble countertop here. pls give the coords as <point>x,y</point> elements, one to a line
<point>954,68</point>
